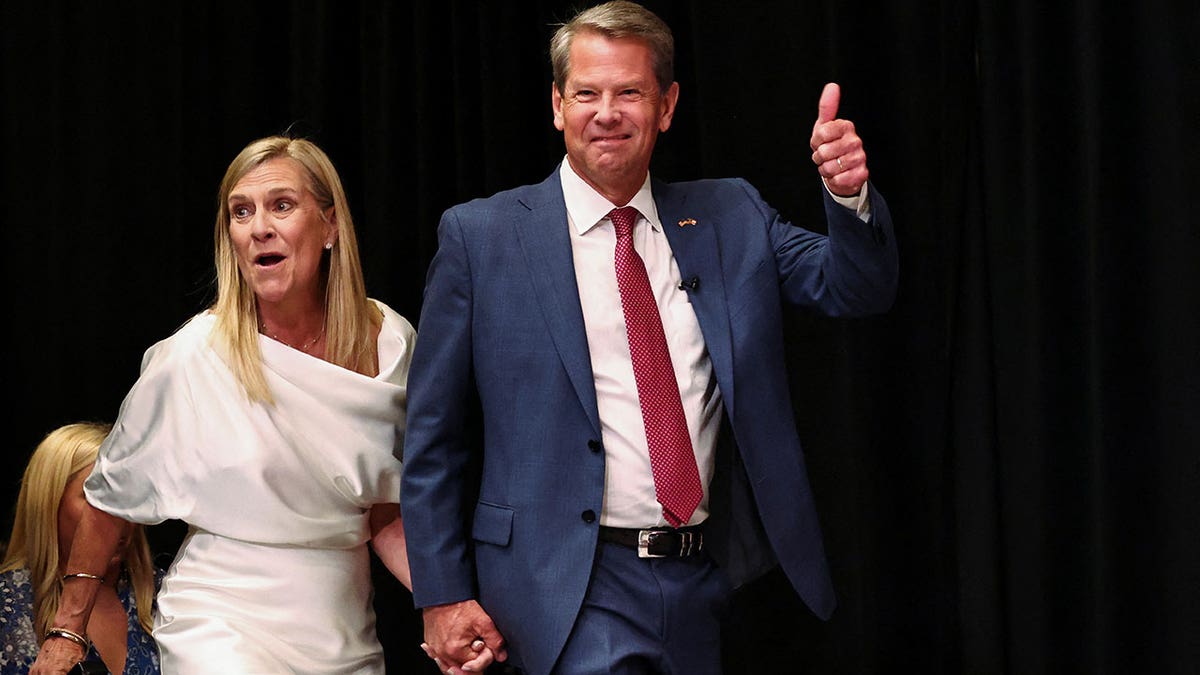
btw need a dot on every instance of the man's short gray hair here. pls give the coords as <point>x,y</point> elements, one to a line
<point>616,20</point>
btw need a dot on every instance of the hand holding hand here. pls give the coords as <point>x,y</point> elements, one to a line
<point>837,149</point>
<point>461,637</point>
<point>484,658</point>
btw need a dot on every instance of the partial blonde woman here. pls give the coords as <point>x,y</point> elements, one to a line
<point>271,424</point>
<point>32,578</point>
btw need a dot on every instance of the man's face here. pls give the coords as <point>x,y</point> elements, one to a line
<point>611,113</point>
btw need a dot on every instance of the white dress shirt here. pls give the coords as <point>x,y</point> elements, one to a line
<point>629,497</point>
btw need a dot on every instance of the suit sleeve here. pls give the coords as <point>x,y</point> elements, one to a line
<point>436,453</point>
<point>851,272</point>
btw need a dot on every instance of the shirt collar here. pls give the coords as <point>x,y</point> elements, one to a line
<point>587,208</point>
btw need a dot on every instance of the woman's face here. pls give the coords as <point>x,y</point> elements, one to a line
<point>279,233</point>
<point>70,511</point>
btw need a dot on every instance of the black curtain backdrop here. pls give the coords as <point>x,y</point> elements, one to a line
<point>1007,464</point>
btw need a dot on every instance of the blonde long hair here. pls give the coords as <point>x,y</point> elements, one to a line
<point>33,545</point>
<point>350,318</point>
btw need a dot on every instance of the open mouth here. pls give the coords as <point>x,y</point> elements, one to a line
<point>268,260</point>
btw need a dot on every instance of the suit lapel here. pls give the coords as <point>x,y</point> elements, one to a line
<point>696,251</point>
<point>546,243</point>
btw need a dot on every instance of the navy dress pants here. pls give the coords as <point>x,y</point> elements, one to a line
<point>648,615</point>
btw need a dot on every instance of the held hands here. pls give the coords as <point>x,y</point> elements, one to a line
<point>837,149</point>
<point>460,637</point>
<point>57,656</point>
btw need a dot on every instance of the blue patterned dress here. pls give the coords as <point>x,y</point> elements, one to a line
<point>19,645</point>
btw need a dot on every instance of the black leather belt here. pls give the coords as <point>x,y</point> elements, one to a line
<point>657,542</point>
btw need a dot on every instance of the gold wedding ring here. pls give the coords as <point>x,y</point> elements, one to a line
<point>840,167</point>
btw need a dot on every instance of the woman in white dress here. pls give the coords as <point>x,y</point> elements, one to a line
<point>270,424</point>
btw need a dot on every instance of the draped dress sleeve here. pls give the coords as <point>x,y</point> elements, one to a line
<point>273,575</point>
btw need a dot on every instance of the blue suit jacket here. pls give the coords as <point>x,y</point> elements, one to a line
<point>502,320</point>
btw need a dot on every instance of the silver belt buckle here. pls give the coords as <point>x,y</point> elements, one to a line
<point>689,543</point>
<point>644,539</point>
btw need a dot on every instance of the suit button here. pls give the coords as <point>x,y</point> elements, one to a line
<point>594,445</point>
<point>588,516</point>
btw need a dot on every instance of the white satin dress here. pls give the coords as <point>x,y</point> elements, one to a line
<point>274,574</point>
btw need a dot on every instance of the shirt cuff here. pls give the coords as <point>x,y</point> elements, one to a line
<point>859,204</point>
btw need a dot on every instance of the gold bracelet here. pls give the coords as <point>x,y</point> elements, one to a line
<point>81,575</point>
<point>70,635</point>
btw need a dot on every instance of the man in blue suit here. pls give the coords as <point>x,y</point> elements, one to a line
<point>611,515</point>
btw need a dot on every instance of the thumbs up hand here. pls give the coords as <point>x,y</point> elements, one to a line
<point>837,149</point>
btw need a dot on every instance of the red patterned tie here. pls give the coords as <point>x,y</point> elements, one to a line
<point>676,478</point>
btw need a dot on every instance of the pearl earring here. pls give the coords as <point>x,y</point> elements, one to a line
<point>328,245</point>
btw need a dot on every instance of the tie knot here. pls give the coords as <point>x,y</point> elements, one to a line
<point>623,220</point>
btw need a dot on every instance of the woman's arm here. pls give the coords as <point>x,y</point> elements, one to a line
<point>387,539</point>
<point>93,547</point>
